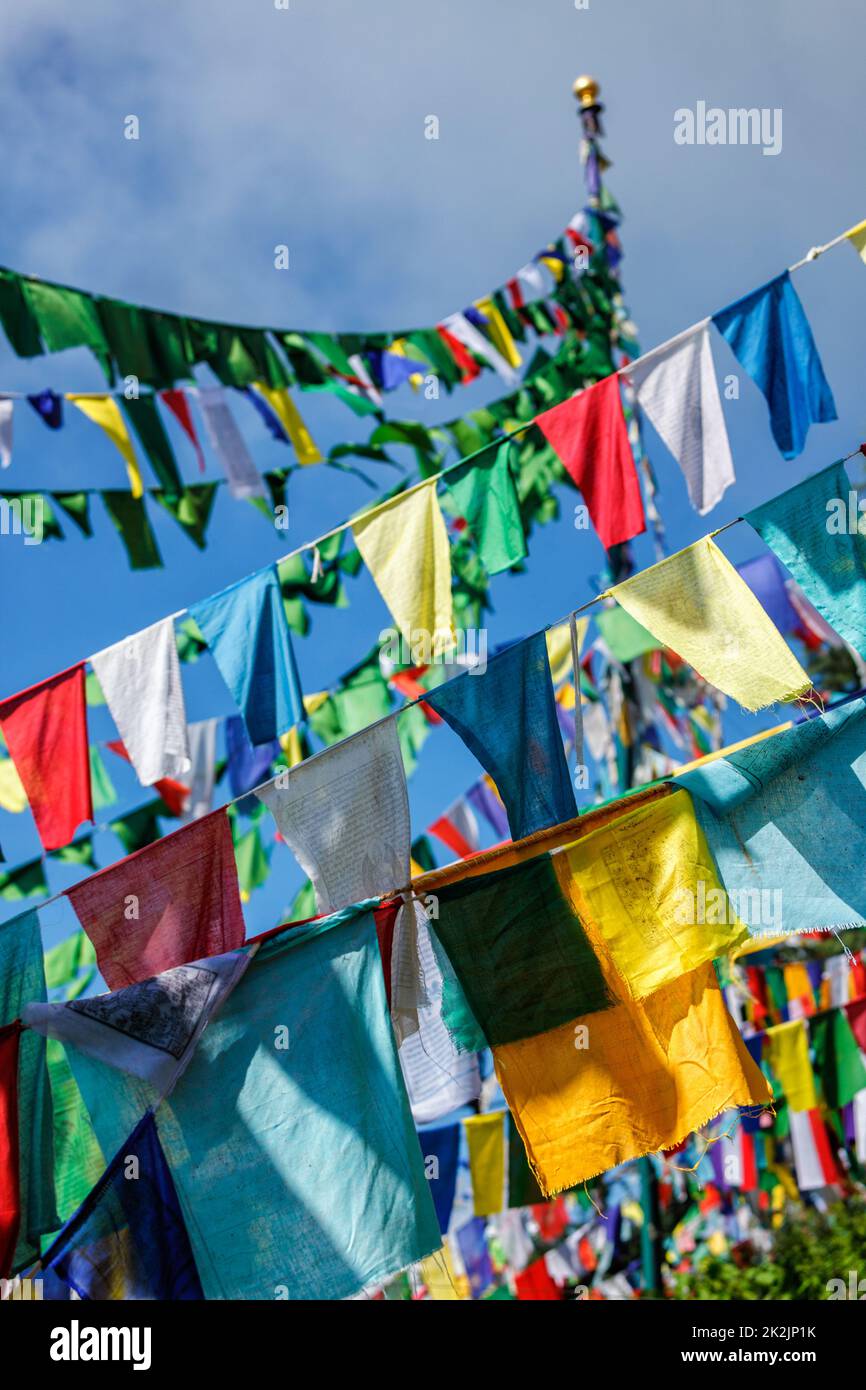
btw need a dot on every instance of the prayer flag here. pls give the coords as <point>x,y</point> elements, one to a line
<point>857,237</point>
<point>105,412</point>
<point>345,816</point>
<point>290,418</point>
<point>226,440</point>
<point>458,326</point>
<point>788,1056</point>
<point>142,412</point>
<point>404,544</point>
<point>590,436</point>
<point>179,406</point>
<point>485,1135</point>
<point>10,1198</point>
<point>809,528</point>
<point>507,719</point>
<point>838,1060</point>
<point>49,407</point>
<point>695,603</point>
<point>675,386</point>
<point>6,409</point>
<point>141,682</point>
<point>45,729</point>
<point>485,495</point>
<point>457,828</point>
<point>246,630</point>
<point>173,902</point>
<point>440,1150</point>
<point>770,335</point>
<point>814,1163</point>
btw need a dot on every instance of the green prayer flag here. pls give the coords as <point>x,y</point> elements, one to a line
<point>125,328</point>
<point>413,730</point>
<point>18,319</point>
<point>130,518</point>
<point>304,904</point>
<point>76,505</point>
<point>171,345</point>
<point>191,509</point>
<point>303,363</point>
<point>837,1058</point>
<point>485,495</point>
<point>27,881</point>
<point>93,695</point>
<point>331,350</point>
<point>252,861</point>
<point>79,852</point>
<point>101,785</point>
<point>78,1159</point>
<point>64,961</point>
<point>139,828</point>
<point>625,637</point>
<point>67,318</point>
<point>422,853</point>
<point>145,420</point>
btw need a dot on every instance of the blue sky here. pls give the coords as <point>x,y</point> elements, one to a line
<point>306,127</point>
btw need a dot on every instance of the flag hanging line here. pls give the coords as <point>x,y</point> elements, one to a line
<point>421,699</point>
<point>811,255</point>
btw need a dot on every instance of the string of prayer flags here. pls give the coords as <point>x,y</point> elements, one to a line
<point>128,1240</point>
<point>507,718</point>
<point>695,603</point>
<point>178,404</point>
<point>519,952</point>
<point>589,434</point>
<point>784,819</point>
<point>22,978</point>
<point>246,630</point>
<point>174,902</point>
<point>440,1149</point>
<point>45,729</point>
<point>149,1029</point>
<point>10,1186</point>
<point>289,416</point>
<point>857,237</point>
<point>676,388</point>
<point>770,336</point>
<point>227,443</point>
<point>648,883</point>
<point>404,545</point>
<point>276,1154</point>
<point>485,495</point>
<point>141,682</point>
<point>105,412</point>
<point>345,815</point>
<point>814,529</point>
<point>66,318</point>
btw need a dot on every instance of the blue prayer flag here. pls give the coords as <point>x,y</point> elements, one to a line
<point>49,407</point>
<point>770,335</point>
<point>767,582</point>
<point>507,718</point>
<point>245,627</point>
<point>440,1149</point>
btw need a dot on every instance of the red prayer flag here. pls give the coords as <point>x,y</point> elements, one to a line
<point>856,1012</point>
<point>589,434</point>
<point>174,901</point>
<point>536,1285</point>
<point>179,407</point>
<point>462,356</point>
<point>10,1204</point>
<point>45,729</point>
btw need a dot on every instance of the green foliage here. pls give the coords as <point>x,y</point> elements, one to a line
<point>809,1250</point>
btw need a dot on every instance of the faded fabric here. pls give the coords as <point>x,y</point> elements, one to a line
<point>140,679</point>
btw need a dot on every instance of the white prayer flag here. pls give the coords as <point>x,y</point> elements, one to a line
<point>6,408</point>
<point>140,679</point>
<point>676,387</point>
<point>226,440</point>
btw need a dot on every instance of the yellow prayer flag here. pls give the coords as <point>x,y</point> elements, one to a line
<point>857,237</point>
<point>559,648</point>
<point>648,884</point>
<point>290,743</point>
<point>696,604</point>
<point>289,416</point>
<point>499,332</point>
<point>404,545</point>
<point>105,412</point>
<point>798,985</point>
<point>443,1284</point>
<point>789,1061</point>
<point>485,1135</point>
<point>12,794</point>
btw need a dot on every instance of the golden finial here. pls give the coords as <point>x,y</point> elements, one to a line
<point>586,90</point>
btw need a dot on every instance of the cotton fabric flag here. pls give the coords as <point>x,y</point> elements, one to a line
<point>507,719</point>
<point>128,1241</point>
<point>345,816</point>
<point>175,901</point>
<point>695,603</point>
<point>298,1168</point>
<point>246,630</point>
<point>823,553</point>
<point>105,412</point>
<point>289,416</point>
<point>838,1060</point>
<point>519,950</point>
<point>676,388</point>
<point>6,409</point>
<point>784,819</point>
<point>590,436</point>
<point>226,440</point>
<point>10,1184</point>
<point>788,1057</point>
<point>485,1135</point>
<point>770,335</point>
<point>625,638</point>
<point>45,729</point>
<point>766,579</point>
<point>440,1150</point>
<point>149,1029</point>
<point>457,828</point>
<point>485,495</point>
<point>814,1163</point>
<point>648,883</point>
<point>404,545</point>
<point>22,978</point>
<point>141,682</point>
<point>201,739</point>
